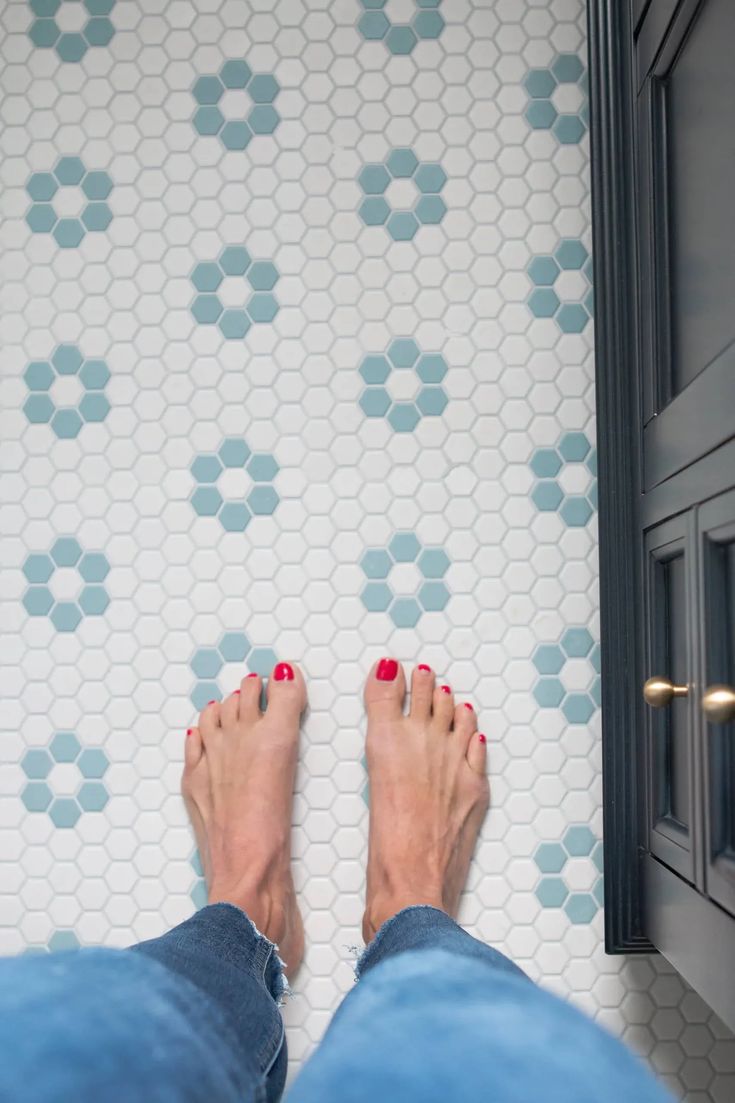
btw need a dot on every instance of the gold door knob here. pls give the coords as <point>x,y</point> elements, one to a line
<point>658,691</point>
<point>718,703</point>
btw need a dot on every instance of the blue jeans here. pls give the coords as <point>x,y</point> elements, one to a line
<point>436,1016</point>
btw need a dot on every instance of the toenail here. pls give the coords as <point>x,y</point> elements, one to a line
<point>423,666</point>
<point>482,738</point>
<point>212,702</point>
<point>235,692</point>
<point>445,689</point>
<point>189,731</point>
<point>386,670</point>
<point>252,675</point>
<point>467,705</point>
<point>283,672</point>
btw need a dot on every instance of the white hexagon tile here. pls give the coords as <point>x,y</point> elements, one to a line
<point>298,362</point>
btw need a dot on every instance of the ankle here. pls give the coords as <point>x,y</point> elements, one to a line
<point>380,908</point>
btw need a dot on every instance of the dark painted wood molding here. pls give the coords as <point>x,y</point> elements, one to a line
<point>619,451</point>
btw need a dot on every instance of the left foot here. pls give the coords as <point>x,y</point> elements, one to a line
<point>239,771</point>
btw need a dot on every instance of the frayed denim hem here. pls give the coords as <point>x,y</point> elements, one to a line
<point>280,982</point>
<point>365,958</point>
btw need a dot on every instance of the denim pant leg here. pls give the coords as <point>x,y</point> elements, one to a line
<point>190,1017</point>
<point>437,1016</point>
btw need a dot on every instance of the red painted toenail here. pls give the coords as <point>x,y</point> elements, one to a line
<point>482,738</point>
<point>283,672</point>
<point>386,670</point>
<point>189,731</point>
<point>467,705</point>
<point>445,689</point>
<point>235,692</point>
<point>423,666</point>
<point>213,702</point>
<point>252,675</point>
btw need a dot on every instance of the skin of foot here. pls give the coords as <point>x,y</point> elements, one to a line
<point>239,771</point>
<point>428,793</point>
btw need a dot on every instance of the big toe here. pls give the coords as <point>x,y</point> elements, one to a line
<point>286,691</point>
<point>385,690</point>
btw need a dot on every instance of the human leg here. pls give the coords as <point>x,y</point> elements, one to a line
<point>437,1015</point>
<point>192,1015</point>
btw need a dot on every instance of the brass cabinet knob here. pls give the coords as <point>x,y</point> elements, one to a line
<point>718,703</point>
<point>659,691</point>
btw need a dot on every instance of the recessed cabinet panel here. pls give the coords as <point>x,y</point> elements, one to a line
<point>717,566</point>
<point>700,93</point>
<point>670,735</point>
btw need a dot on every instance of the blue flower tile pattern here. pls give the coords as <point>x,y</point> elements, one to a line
<point>577,697</point>
<point>95,26</point>
<point>84,593</point>
<point>211,117</point>
<point>259,304</point>
<point>255,472</point>
<point>207,664</point>
<point>562,286</point>
<point>69,172</point>
<point>420,185</point>
<point>400,38</point>
<point>88,377</point>
<point>403,357</point>
<point>572,461</point>
<point>405,579</point>
<point>65,780</point>
<point>557,99</point>
<point>571,874</point>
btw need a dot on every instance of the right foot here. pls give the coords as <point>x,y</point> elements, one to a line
<point>239,771</point>
<point>428,793</point>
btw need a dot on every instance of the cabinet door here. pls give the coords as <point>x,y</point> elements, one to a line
<point>717,575</point>
<point>686,179</point>
<point>671,765</point>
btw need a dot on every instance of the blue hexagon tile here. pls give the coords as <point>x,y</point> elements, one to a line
<point>69,202</point>
<point>562,286</point>
<point>557,99</point>
<point>403,384</point>
<point>235,104</point>
<point>376,25</point>
<point>225,665</point>
<point>234,484</point>
<point>234,292</point>
<point>66,584</point>
<point>65,779</point>
<point>568,675</point>
<point>198,892</point>
<point>71,27</point>
<point>570,874</point>
<point>66,391</point>
<point>566,479</point>
<point>405,579</point>
<point>402,194</point>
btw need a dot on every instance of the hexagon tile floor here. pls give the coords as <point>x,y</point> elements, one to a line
<point>297,337</point>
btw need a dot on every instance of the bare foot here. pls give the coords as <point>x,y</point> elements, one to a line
<point>238,781</point>
<point>428,793</point>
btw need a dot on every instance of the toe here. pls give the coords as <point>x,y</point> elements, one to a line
<point>477,753</point>
<point>193,749</point>
<point>229,710</point>
<point>422,691</point>
<point>465,721</point>
<point>286,690</point>
<point>209,721</point>
<point>385,690</point>
<point>251,688</point>
<point>444,706</point>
